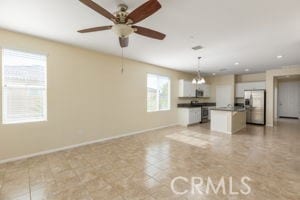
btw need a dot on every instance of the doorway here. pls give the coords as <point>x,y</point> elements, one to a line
<point>289,97</point>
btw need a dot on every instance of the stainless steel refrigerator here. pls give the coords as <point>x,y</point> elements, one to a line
<point>255,104</point>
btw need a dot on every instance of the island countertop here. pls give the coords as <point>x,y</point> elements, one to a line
<point>233,109</point>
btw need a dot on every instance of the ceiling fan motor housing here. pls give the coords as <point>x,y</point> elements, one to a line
<point>122,14</point>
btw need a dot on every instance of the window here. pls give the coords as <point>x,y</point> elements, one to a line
<point>158,93</point>
<point>24,87</point>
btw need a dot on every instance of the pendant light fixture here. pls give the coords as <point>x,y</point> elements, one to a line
<point>198,79</point>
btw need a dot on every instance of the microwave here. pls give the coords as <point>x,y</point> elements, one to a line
<point>199,93</point>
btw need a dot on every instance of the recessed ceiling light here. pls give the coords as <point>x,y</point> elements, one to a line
<point>246,70</point>
<point>236,63</point>
<point>279,56</point>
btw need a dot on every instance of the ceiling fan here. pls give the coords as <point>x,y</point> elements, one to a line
<point>124,21</point>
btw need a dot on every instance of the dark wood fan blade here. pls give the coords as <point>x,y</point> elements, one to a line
<point>98,9</point>
<point>144,11</point>
<point>149,33</point>
<point>124,41</point>
<point>100,28</point>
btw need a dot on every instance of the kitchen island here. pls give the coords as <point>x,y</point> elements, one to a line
<point>227,120</point>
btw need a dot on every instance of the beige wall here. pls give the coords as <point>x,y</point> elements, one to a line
<point>250,77</point>
<point>271,89</point>
<point>213,81</point>
<point>242,78</point>
<point>232,80</point>
<point>88,98</point>
<point>220,80</point>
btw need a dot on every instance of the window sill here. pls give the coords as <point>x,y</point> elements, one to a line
<point>159,111</point>
<point>24,122</point>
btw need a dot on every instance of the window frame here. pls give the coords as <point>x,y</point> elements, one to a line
<point>158,76</point>
<point>4,87</point>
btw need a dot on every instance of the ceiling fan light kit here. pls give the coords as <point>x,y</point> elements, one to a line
<point>124,21</point>
<point>198,81</point>
<point>122,30</point>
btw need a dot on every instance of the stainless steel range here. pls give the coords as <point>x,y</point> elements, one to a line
<point>204,114</point>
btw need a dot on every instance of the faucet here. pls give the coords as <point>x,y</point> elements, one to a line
<point>229,106</point>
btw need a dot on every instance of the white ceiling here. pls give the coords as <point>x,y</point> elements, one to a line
<point>251,32</point>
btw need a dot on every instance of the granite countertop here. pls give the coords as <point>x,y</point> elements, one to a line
<point>195,105</point>
<point>233,109</point>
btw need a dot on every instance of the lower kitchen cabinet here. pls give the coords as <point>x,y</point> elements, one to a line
<point>187,116</point>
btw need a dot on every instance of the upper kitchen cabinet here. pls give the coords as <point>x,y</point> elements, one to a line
<point>205,88</point>
<point>186,88</point>
<point>241,87</point>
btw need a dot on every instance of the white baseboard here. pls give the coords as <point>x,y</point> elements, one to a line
<point>81,144</point>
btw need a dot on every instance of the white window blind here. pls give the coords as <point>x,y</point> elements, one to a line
<point>24,87</point>
<point>158,93</point>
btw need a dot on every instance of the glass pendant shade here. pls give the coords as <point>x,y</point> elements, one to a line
<point>198,79</point>
<point>202,81</point>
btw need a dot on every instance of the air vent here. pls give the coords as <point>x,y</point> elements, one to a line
<point>197,47</point>
<point>223,70</point>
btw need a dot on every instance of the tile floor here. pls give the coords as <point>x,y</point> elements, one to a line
<point>142,166</point>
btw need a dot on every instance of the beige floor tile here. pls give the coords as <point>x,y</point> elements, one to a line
<point>76,193</point>
<point>45,191</point>
<point>22,197</point>
<point>13,189</point>
<point>143,166</point>
<point>105,194</point>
